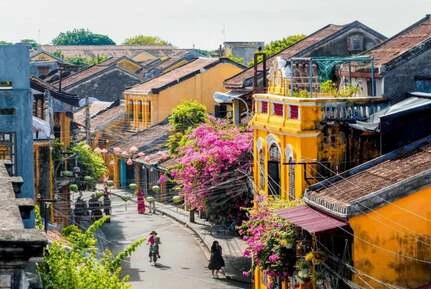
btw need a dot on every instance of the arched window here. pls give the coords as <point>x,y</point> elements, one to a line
<point>291,164</point>
<point>261,168</point>
<point>274,168</point>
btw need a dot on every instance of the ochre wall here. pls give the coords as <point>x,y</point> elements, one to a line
<point>200,88</point>
<point>403,227</point>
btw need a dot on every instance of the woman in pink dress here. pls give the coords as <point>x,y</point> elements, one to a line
<point>141,202</point>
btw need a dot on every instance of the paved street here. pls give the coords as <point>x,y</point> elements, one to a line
<point>183,263</point>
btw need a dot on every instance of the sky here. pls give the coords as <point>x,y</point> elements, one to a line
<point>201,23</point>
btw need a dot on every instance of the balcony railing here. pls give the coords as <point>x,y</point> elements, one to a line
<point>349,111</point>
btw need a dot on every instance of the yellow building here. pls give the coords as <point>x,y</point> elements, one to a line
<point>301,134</point>
<point>385,203</point>
<point>297,126</point>
<point>151,102</point>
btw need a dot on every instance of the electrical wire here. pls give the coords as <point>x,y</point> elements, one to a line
<point>366,209</point>
<point>384,200</point>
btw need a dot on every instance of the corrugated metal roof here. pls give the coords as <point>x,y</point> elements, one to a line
<point>310,219</point>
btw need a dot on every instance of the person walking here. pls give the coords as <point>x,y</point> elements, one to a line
<point>216,260</point>
<point>107,205</point>
<point>141,202</point>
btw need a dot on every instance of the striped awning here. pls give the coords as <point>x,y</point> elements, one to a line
<point>310,219</point>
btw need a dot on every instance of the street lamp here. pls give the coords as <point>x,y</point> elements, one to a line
<point>221,97</point>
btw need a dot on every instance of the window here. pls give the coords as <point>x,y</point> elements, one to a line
<point>8,149</point>
<point>261,169</point>
<point>355,43</point>
<point>130,109</point>
<point>5,84</point>
<point>139,108</point>
<point>274,168</point>
<point>291,179</point>
<point>264,107</point>
<point>423,85</point>
<point>278,109</point>
<point>294,112</point>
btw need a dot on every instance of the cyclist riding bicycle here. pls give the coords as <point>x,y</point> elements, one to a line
<point>154,242</point>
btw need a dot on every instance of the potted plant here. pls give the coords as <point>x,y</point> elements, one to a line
<point>132,187</point>
<point>110,183</point>
<point>67,174</point>
<point>303,273</point>
<point>73,187</point>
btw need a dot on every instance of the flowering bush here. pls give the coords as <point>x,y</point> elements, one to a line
<point>211,151</point>
<point>270,240</point>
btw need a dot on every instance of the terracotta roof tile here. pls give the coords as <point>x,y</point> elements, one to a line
<point>108,50</point>
<point>402,42</point>
<point>96,107</point>
<point>173,75</point>
<point>108,116</point>
<point>149,141</point>
<point>92,70</point>
<point>237,81</point>
<point>349,189</point>
<point>81,75</point>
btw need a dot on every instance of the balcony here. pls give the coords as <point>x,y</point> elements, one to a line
<point>295,114</point>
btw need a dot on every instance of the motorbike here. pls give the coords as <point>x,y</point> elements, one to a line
<point>154,254</point>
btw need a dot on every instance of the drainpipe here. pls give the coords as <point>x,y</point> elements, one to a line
<point>236,112</point>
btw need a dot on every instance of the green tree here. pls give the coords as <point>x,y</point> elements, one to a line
<point>90,162</point>
<point>2,42</point>
<point>184,117</point>
<point>276,46</point>
<point>145,40</point>
<point>82,37</point>
<point>73,263</point>
<point>236,59</point>
<point>87,60</point>
<point>30,42</point>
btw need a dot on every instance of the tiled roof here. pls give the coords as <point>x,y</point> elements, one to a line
<point>108,116</point>
<point>93,70</point>
<point>364,182</point>
<point>108,50</point>
<point>11,225</point>
<point>237,81</point>
<point>173,76</point>
<point>96,107</point>
<point>39,84</point>
<point>149,141</point>
<point>81,75</point>
<point>402,42</point>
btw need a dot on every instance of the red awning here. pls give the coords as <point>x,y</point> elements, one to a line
<point>310,219</point>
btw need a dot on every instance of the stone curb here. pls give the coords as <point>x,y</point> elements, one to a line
<point>188,225</point>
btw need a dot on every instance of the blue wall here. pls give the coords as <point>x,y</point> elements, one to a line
<point>14,67</point>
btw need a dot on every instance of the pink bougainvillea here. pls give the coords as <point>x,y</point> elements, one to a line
<point>211,151</point>
<point>163,179</point>
<point>270,241</point>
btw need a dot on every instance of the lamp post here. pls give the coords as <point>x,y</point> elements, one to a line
<point>221,97</point>
<point>45,211</point>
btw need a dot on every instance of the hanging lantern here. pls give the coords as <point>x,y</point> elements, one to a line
<point>117,150</point>
<point>133,149</point>
<point>129,162</point>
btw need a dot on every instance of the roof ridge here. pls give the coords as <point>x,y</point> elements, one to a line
<point>414,25</point>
